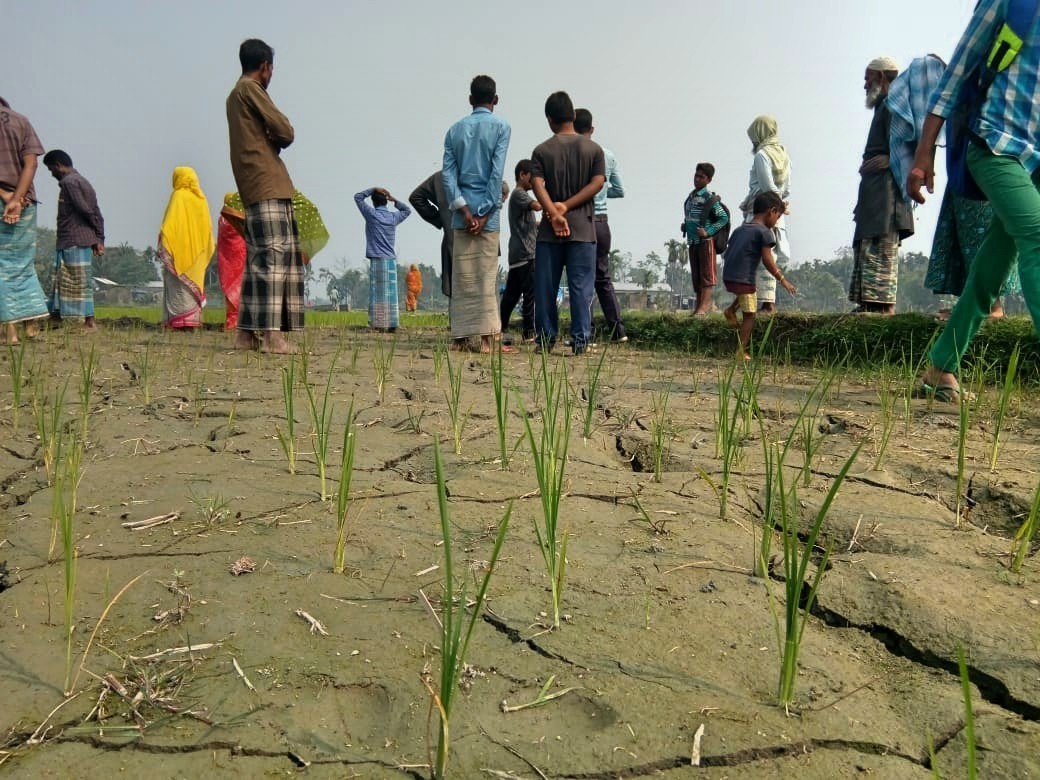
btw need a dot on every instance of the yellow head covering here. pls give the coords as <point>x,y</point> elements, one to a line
<point>763,135</point>
<point>187,230</point>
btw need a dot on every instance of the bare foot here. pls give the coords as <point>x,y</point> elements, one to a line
<point>996,311</point>
<point>245,339</point>
<point>90,325</point>
<point>274,343</point>
<point>460,345</point>
<point>32,330</point>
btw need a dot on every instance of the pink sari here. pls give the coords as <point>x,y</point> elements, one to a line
<point>231,263</point>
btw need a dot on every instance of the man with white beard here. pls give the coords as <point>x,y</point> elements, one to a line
<point>883,218</point>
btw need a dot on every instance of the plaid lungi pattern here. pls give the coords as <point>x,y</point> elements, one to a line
<point>875,270</point>
<point>383,303</point>
<point>272,285</point>
<point>21,297</point>
<point>473,309</point>
<point>72,292</point>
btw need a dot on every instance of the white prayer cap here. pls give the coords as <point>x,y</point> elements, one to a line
<point>882,64</point>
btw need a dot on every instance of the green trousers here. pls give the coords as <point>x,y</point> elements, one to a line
<point>1013,233</point>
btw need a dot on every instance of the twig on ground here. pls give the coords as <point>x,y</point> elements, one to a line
<point>695,754</point>
<point>175,651</point>
<point>315,624</point>
<point>152,522</point>
<point>540,699</point>
<point>242,674</point>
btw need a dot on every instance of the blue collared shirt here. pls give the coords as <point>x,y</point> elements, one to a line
<point>474,160</point>
<point>612,187</point>
<point>1010,117</point>
<point>380,226</point>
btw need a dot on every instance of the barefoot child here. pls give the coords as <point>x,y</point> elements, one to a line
<point>751,244</point>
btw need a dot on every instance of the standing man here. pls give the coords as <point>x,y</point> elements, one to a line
<point>430,203</point>
<point>883,218</point>
<point>21,297</point>
<point>80,238</point>
<point>474,159</point>
<point>567,171</point>
<point>612,188</point>
<point>1004,160</point>
<point>272,285</point>
<point>381,250</point>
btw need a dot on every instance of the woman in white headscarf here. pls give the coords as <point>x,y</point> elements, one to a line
<point>770,171</point>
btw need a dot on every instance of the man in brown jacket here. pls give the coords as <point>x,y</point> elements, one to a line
<point>272,285</point>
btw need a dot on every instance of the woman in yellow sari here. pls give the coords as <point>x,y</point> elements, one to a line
<point>184,250</point>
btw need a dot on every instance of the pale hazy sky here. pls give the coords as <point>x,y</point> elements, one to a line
<point>133,88</point>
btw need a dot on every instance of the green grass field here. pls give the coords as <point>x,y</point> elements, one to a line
<point>317,319</point>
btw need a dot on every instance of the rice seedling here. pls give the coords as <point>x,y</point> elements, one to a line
<point>593,370</point>
<point>811,437</point>
<point>1026,534</point>
<point>501,406</point>
<point>146,373</point>
<point>659,429</point>
<point>727,437</point>
<point>321,419</point>
<point>799,595</point>
<point>969,715</point>
<point>355,355</point>
<point>453,397</point>
<point>49,414</point>
<point>287,438</point>
<point>456,627</point>
<point>963,425</point>
<point>549,450</point>
<point>887,423</point>
<point>383,362</point>
<point>346,473</point>
<point>230,426</point>
<point>87,366</point>
<point>747,396</point>
<point>63,508</point>
<point>1007,390</point>
<point>212,509</point>
<point>15,364</point>
<point>440,354</point>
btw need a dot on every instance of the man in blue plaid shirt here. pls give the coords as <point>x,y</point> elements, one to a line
<point>1004,160</point>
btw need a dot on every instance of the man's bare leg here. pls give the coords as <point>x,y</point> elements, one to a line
<point>12,334</point>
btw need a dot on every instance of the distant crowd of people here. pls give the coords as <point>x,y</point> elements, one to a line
<point>268,230</point>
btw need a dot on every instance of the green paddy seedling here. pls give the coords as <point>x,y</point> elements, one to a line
<point>549,451</point>
<point>1007,391</point>
<point>453,397</point>
<point>501,405</point>
<point>321,419</point>
<point>346,474</point>
<point>1027,532</point>
<point>660,430</point>
<point>15,364</point>
<point>383,362</point>
<point>456,626</point>
<point>593,371</point>
<point>287,438</point>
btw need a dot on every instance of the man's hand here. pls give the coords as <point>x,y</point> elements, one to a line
<point>876,164</point>
<point>13,211</point>
<point>560,207</point>
<point>382,191</point>
<point>560,226</point>
<point>788,286</point>
<point>922,175</point>
<point>476,227</point>
<point>682,228</point>
<point>98,249</point>
<point>702,232</point>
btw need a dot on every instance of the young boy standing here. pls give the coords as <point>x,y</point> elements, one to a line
<point>750,245</point>
<point>523,230</point>
<point>568,170</point>
<point>704,216</point>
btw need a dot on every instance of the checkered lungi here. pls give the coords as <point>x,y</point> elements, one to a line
<point>272,285</point>
<point>72,292</point>
<point>875,270</point>
<point>383,303</point>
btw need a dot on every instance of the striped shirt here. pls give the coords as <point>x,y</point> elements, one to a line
<point>1009,120</point>
<point>693,208</point>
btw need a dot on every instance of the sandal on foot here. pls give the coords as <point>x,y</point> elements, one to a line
<point>947,393</point>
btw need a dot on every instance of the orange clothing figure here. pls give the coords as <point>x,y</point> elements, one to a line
<point>413,282</point>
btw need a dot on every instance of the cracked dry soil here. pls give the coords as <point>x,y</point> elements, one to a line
<point>652,648</point>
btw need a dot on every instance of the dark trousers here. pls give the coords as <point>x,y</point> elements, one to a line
<point>519,282</point>
<point>604,285</point>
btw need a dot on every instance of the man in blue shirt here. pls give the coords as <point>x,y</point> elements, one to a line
<point>1004,159</point>
<point>474,160</point>
<point>380,249</point>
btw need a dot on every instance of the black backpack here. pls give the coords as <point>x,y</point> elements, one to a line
<point>720,239</point>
